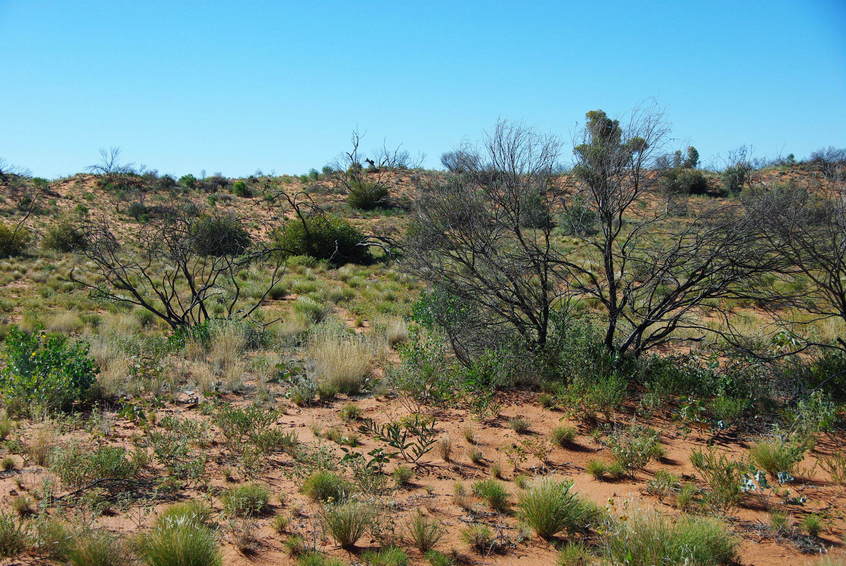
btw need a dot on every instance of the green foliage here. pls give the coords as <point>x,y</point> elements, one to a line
<point>563,435</point>
<point>241,189</point>
<point>322,237</point>
<point>647,539</point>
<point>634,447</point>
<point>776,456</point>
<point>192,511</point>
<point>45,370</point>
<point>347,522</point>
<point>77,465</point>
<point>365,194</point>
<point>549,507</point>
<point>317,559</point>
<point>723,476</point>
<point>735,177</point>
<point>424,373</point>
<point>603,470</point>
<point>575,554</point>
<point>64,236</point>
<point>219,236</point>
<point>12,242</point>
<point>436,558</point>
<point>493,493</point>
<point>390,556</point>
<point>326,486</point>
<point>423,533</point>
<point>812,524</point>
<point>97,548</point>
<point>181,542</point>
<point>578,219</point>
<point>246,500</point>
<point>14,535</point>
<point>412,439</point>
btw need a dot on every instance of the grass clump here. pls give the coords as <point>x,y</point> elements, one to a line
<point>519,425</point>
<point>563,436</point>
<point>647,538</point>
<point>723,476</point>
<point>634,447</point>
<point>549,507</point>
<point>605,470</point>
<point>575,554</point>
<point>193,511</point>
<point>246,500</point>
<point>390,556</point>
<point>14,536</point>
<point>341,362</point>
<point>347,522</point>
<point>493,493</point>
<point>97,548</point>
<point>181,542</point>
<point>423,532</point>
<point>776,456</point>
<point>325,486</point>
<point>317,559</point>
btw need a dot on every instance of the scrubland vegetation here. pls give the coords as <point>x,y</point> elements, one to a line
<point>629,361</point>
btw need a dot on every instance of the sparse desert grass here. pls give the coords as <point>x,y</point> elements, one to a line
<point>341,362</point>
<point>181,542</point>
<point>646,538</point>
<point>390,556</point>
<point>14,535</point>
<point>98,548</point>
<point>246,500</point>
<point>423,532</point>
<point>326,486</point>
<point>493,493</point>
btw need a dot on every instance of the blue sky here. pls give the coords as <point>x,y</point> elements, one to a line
<point>239,86</point>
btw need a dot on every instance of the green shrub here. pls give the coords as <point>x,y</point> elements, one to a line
<point>347,522</point>
<point>366,195</point>
<point>45,370</point>
<point>12,243</point>
<point>97,548</point>
<point>549,507</point>
<point>647,539</point>
<point>241,189</point>
<point>246,500</point>
<point>776,456</point>
<point>64,237</point>
<point>480,538</point>
<point>519,425</point>
<point>812,524</point>
<point>14,536</point>
<point>578,219</point>
<point>77,465</point>
<point>390,556</point>
<point>181,542</point>
<point>326,486</point>
<point>634,447</point>
<point>493,493</point>
<point>219,236</point>
<point>402,475</point>
<point>322,237</point>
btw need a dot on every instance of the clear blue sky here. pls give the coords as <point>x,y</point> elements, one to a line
<point>239,86</point>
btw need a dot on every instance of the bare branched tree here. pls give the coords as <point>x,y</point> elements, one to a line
<point>469,239</point>
<point>653,275</point>
<point>166,269</point>
<point>807,229</point>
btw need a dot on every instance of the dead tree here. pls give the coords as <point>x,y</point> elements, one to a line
<point>162,269</point>
<point>807,229</point>
<point>469,239</point>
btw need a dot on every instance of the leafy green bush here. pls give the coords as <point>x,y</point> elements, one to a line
<point>647,538</point>
<point>246,500</point>
<point>64,237</point>
<point>241,189</point>
<point>45,370</point>
<point>578,219</point>
<point>219,236</point>
<point>549,507</point>
<point>12,243</point>
<point>322,237</point>
<point>181,542</point>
